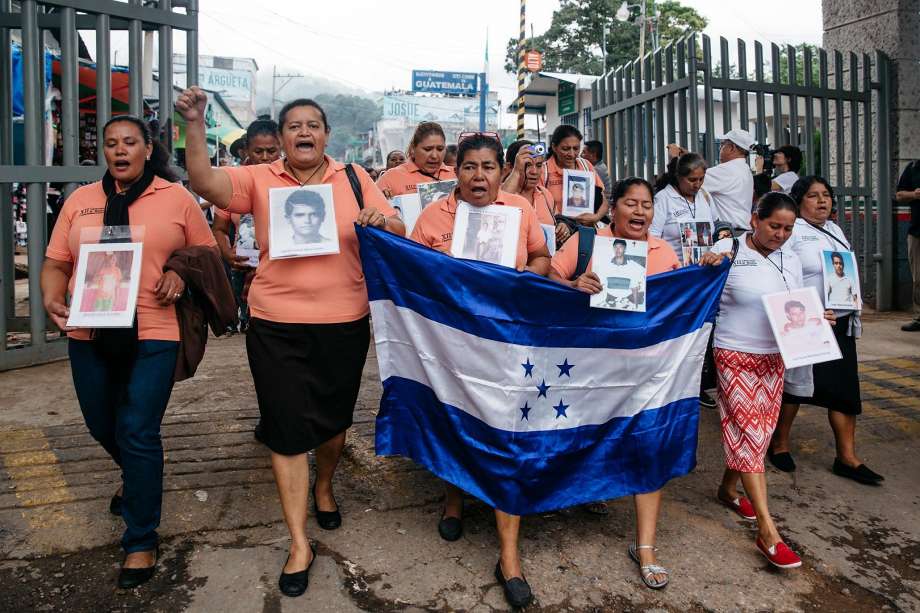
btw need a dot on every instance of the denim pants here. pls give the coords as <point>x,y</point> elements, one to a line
<point>237,281</point>
<point>127,425</point>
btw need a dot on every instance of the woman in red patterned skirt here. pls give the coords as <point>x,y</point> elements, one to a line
<point>749,365</point>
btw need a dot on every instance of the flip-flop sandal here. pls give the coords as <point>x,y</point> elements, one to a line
<point>647,572</point>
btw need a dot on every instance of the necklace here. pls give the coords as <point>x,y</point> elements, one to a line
<point>290,170</point>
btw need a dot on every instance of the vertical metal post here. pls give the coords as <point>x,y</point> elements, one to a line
<point>694,136</point>
<point>825,169</point>
<point>103,81</point>
<point>708,101</point>
<point>629,142</point>
<point>760,127</point>
<point>647,145</point>
<point>869,223</point>
<point>610,146</point>
<point>135,62</point>
<point>854,160</point>
<point>522,34</point>
<point>660,157</point>
<point>682,95</point>
<point>884,258</point>
<point>743,112</point>
<point>778,132</point>
<point>7,238</point>
<point>840,161</point>
<point>33,75</point>
<point>483,94</point>
<point>726,92</point>
<point>166,80</point>
<point>620,126</point>
<point>671,134</point>
<point>793,100</point>
<point>808,63</point>
<point>191,48</point>
<point>70,93</point>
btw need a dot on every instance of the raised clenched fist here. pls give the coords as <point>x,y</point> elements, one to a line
<point>191,104</point>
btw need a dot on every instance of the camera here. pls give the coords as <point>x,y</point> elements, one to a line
<point>764,151</point>
<point>539,149</point>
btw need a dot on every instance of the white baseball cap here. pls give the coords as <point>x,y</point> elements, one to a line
<point>742,138</point>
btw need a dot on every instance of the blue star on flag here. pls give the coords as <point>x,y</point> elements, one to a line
<point>528,368</point>
<point>565,367</point>
<point>560,409</point>
<point>525,412</point>
<point>543,388</point>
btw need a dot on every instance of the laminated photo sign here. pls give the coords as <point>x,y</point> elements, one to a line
<point>302,222</point>
<point>802,333</point>
<point>486,233</point>
<point>246,245</point>
<point>430,192</point>
<point>621,266</point>
<point>841,281</point>
<point>577,192</point>
<point>106,284</point>
<point>409,208</point>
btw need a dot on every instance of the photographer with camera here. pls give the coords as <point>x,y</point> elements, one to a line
<point>730,182</point>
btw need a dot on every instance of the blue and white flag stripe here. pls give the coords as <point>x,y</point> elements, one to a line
<point>512,388</point>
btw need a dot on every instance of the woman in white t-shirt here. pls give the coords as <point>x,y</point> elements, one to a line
<point>749,365</point>
<point>832,385</point>
<point>682,213</point>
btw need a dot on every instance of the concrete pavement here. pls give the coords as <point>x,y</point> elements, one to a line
<point>224,542</point>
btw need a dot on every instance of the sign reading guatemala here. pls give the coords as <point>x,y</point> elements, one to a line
<point>509,386</point>
<point>434,82</point>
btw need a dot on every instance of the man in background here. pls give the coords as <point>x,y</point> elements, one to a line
<point>593,151</point>
<point>908,192</point>
<point>730,183</point>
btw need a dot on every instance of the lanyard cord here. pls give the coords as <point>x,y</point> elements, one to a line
<point>826,234</point>
<point>779,268</point>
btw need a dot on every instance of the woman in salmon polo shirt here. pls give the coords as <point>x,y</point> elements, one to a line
<point>633,211</point>
<point>565,146</point>
<point>308,332</point>
<point>479,167</point>
<point>524,180</point>
<point>123,377</point>
<point>425,163</point>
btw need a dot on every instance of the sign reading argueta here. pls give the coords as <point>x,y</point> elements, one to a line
<point>434,82</point>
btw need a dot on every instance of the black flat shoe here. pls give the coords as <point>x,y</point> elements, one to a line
<point>295,584</point>
<point>130,578</point>
<point>327,520</point>
<point>115,505</point>
<point>450,528</point>
<point>706,400</point>
<point>782,461</point>
<point>517,591</point>
<point>861,474</point>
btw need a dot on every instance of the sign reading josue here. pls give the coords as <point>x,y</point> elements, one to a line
<point>434,82</point>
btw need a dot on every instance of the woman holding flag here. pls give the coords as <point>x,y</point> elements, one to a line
<point>479,167</point>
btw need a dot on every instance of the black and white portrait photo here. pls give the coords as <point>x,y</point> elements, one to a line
<point>302,222</point>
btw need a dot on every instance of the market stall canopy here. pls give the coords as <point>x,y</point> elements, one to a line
<point>87,79</point>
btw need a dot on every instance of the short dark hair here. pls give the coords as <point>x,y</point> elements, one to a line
<point>512,150</point>
<point>159,162</point>
<point>763,183</point>
<point>838,255</point>
<point>260,127</point>
<point>596,148</point>
<point>619,241</point>
<point>801,186</point>
<point>451,149</point>
<point>423,130</point>
<point>793,304</point>
<point>293,104</point>
<point>562,132</point>
<point>621,187</point>
<point>793,156</point>
<point>303,197</point>
<point>480,141</point>
<point>772,202</point>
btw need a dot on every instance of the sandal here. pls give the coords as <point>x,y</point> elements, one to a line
<point>647,572</point>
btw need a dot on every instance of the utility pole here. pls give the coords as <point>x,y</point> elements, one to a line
<point>522,35</point>
<point>276,89</point>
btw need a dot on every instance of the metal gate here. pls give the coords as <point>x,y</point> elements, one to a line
<point>26,338</point>
<point>833,106</point>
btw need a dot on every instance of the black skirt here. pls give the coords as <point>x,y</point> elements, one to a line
<point>307,378</point>
<point>836,382</point>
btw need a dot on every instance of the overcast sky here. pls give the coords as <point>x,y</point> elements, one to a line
<point>375,45</point>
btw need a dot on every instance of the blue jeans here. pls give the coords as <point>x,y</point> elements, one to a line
<point>127,424</point>
<point>237,281</point>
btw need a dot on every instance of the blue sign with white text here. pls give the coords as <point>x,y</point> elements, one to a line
<point>435,82</point>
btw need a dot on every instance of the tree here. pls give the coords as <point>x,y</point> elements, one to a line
<point>573,42</point>
<point>350,118</point>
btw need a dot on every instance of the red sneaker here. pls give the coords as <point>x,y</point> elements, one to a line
<point>779,555</point>
<point>742,506</point>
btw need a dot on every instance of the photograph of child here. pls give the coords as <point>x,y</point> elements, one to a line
<point>484,236</point>
<point>841,281</point>
<point>802,333</point>
<point>106,283</point>
<point>302,222</point>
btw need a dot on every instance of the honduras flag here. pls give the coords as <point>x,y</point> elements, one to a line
<point>512,388</point>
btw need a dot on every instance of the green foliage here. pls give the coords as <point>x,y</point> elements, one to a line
<point>799,64</point>
<point>573,42</point>
<point>350,117</point>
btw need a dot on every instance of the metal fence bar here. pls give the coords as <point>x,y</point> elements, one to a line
<point>671,120</point>
<point>166,80</point>
<point>103,82</point>
<point>854,164</point>
<point>70,94</point>
<point>692,75</point>
<point>793,100</point>
<point>726,92</point>
<point>619,125</point>
<point>609,126</point>
<point>761,125</point>
<point>707,96</point>
<point>136,61</point>
<point>636,143</point>
<point>660,142</point>
<point>884,257</point>
<point>7,238</point>
<point>647,146</point>
<point>628,145</point>
<point>778,133</point>
<point>682,94</point>
<point>825,169</point>
<point>808,63</point>
<point>839,128</point>
<point>743,111</point>
<point>870,210</point>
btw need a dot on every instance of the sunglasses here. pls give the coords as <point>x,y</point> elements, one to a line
<point>468,135</point>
